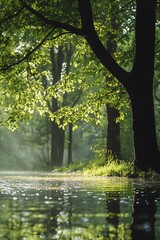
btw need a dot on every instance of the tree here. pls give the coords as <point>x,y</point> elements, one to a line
<point>57,139</point>
<point>146,149</point>
<point>138,82</point>
<point>113,130</point>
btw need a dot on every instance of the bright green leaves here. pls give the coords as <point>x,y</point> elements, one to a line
<point>83,90</point>
<point>20,96</point>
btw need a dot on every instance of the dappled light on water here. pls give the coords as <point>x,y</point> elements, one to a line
<point>52,206</point>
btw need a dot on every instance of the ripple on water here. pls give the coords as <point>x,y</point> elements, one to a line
<point>49,206</point>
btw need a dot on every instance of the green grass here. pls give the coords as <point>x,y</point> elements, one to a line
<point>100,167</point>
<point>111,167</point>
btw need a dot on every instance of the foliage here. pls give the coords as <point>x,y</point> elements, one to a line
<point>113,167</point>
<point>100,167</point>
<point>26,60</point>
<point>110,168</point>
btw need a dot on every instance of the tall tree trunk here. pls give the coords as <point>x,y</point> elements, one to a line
<point>60,148</point>
<point>145,142</point>
<point>57,145</point>
<point>113,128</point>
<point>113,132</point>
<point>139,82</point>
<point>70,143</point>
<point>54,145</point>
<point>57,134</point>
<point>69,51</point>
<point>140,88</point>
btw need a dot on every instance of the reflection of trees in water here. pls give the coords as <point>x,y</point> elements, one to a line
<point>144,215</point>
<point>73,212</point>
<point>29,214</point>
<point>82,215</point>
<point>113,209</point>
<point>118,216</point>
<point>64,218</point>
<point>118,227</point>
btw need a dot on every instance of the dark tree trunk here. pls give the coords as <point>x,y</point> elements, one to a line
<point>113,132</point>
<point>70,143</point>
<point>60,148</point>
<point>139,82</point>
<point>145,142</point>
<point>69,51</point>
<point>57,134</point>
<point>113,128</point>
<point>54,145</point>
<point>140,89</point>
<point>57,145</point>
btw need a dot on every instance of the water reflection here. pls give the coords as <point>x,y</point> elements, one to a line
<point>119,207</point>
<point>46,206</point>
<point>144,214</point>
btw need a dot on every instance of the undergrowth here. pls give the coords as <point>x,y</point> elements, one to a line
<point>111,167</point>
<point>101,167</point>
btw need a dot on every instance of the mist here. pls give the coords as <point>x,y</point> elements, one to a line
<point>16,152</point>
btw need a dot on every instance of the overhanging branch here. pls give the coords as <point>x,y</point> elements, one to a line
<point>28,54</point>
<point>10,17</point>
<point>55,24</point>
<point>95,43</point>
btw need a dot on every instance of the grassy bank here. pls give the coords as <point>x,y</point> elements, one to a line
<point>111,167</point>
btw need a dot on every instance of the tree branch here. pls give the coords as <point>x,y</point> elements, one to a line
<point>95,43</point>
<point>28,54</point>
<point>55,24</point>
<point>10,17</point>
<point>77,99</point>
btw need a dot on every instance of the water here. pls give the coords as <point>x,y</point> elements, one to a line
<point>36,206</point>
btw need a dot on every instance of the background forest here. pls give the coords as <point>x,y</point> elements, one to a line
<point>58,105</point>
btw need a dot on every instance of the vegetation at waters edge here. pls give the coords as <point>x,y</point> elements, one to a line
<point>110,168</point>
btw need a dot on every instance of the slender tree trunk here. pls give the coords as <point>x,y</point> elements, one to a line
<point>113,128</point>
<point>60,147</point>
<point>57,134</point>
<point>57,145</point>
<point>113,132</point>
<point>70,143</point>
<point>47,122</point>
<point>69,51</point>
<point>54,145</point>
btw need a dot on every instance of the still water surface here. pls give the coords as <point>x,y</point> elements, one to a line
<point>36,206</point>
